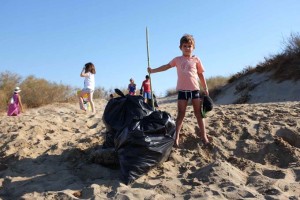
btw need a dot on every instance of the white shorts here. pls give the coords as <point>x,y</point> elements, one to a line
<point>87,90</point>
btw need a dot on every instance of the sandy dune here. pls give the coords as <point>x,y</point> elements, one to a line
<point>45,154</point>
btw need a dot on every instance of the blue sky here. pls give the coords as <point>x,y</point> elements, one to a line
<point>54,39</point>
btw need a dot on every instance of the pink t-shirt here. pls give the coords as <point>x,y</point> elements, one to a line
<point>187,71</point>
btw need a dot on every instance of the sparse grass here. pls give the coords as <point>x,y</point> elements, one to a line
<point>215,84</point>
<point>243,89</point>
<point>284,66</point>
<point>100,93</point>
<point>246,71</point>
<point>37,92</point>
<point>171,92</point>
<point>243,86</point>
<point>244,98</point>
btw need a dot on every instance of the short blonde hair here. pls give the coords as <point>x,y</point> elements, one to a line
<point>187,38</point>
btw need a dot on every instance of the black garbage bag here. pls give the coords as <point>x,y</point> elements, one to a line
<point>145,146</point>
<point>109,140</point>
<point>121,111</point>
<point>149,101</point>
<point>141,142</point>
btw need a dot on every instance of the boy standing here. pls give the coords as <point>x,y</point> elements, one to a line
<point>189,70</point>
<point>146,87</point>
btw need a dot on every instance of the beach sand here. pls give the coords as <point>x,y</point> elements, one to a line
<point>45,154</point>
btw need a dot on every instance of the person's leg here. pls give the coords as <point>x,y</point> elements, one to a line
<point>80,98</point>
<point>149,98</point>
<point>145,97</point>
<point>181,108</point>
<point>201,123</point>
<point>92,102</point>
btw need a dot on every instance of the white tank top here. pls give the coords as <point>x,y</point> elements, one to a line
<point>89,82</point>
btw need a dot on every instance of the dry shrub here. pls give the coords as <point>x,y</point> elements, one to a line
<point>215,84</point>
<point>292,45</point>
<point>8,82</point>
<point>246,71</point>
<point>287,69</point>
<point>244,86</point>
<point>171,92</point>
<point>244,98</point>
<point>38,92</point>
<point>285,65</point>
<point>100,93</point>
<point>4,101</point>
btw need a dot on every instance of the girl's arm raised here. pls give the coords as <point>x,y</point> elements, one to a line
<point>83,74</point>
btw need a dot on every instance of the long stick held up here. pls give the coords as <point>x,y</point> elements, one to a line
<point>148,59</point>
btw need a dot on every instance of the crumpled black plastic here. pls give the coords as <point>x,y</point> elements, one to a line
<point>142,137</point>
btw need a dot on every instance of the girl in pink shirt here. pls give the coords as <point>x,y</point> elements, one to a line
<point>189,70</point>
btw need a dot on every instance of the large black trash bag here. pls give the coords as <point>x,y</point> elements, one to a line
<point>146,146</point>
<point>121,111</point>
<point>141,142</point>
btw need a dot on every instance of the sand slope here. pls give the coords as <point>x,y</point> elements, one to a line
<point>259,88</point>
<point>45,154</point>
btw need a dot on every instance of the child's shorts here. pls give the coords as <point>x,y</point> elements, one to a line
<point>188,94</point>
<point>147,95</point>
<point>87,90</point>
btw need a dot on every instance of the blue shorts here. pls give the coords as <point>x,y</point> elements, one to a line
<point>147,95</point>
<point>188,94</point>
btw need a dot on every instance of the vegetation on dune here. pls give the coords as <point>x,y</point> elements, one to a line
<point>283,66</point>
<point>215,84</point>
<point>37,92</point>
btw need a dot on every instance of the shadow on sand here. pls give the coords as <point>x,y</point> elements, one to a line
<point>72,171</point>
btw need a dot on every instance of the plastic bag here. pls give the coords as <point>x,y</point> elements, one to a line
<point>143,138</point>
<point>121,111</point>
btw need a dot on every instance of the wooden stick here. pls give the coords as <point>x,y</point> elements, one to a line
<point>148,59</point>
